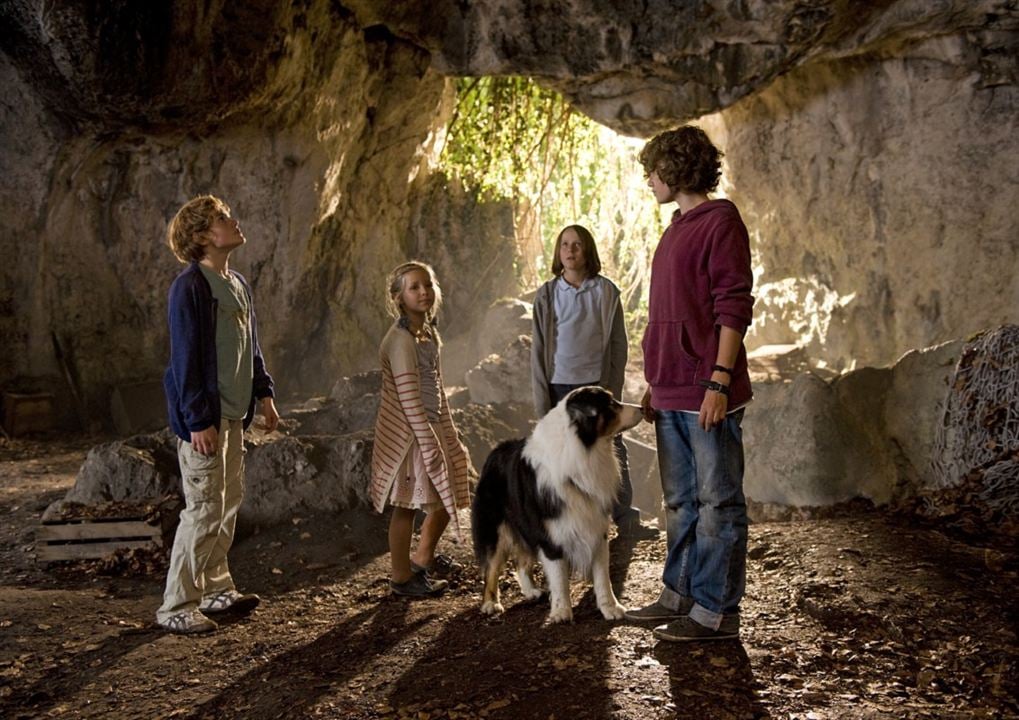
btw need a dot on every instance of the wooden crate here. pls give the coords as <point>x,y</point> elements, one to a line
<point>25,413</point>
<point>91,539</point>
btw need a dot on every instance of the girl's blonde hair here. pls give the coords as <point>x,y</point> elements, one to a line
<point>393,305</point>
<point>191,222</point>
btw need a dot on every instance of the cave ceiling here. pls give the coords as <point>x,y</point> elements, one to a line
<point>635,65</point>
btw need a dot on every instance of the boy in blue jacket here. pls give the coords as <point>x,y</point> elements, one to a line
<point>215,376</point>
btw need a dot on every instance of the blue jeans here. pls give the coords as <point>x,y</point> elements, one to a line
<point>705,512</point>
<point>621,510</point>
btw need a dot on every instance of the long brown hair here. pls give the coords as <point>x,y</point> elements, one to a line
<point>586,243</point>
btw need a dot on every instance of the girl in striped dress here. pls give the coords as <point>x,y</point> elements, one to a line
<point>418,461</point>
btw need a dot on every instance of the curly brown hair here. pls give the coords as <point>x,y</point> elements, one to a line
<point>684,158</point>
<point>184,233</point>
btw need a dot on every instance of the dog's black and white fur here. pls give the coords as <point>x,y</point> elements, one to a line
<point>549,498</point>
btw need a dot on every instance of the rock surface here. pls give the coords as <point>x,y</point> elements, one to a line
<point>315,130</point>
<point>848,173</point>
<point>505,377</point>
<point>866,434</point>
<point>641,67</point>
<point>498,327</point>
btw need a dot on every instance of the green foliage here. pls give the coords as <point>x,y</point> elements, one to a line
<point>510,139</point>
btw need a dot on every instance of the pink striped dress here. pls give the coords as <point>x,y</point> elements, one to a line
<point>414,462</point>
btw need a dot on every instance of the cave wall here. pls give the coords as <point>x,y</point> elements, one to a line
<point>880,192</point>
<point>321,149</point>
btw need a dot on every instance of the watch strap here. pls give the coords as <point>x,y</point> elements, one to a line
<point>714,386</point>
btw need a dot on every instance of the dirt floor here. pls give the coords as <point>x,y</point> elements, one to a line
<point>860,615</point>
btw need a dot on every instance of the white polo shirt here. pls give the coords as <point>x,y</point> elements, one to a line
<point>579,333</point>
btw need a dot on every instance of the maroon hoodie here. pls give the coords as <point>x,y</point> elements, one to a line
<point>700,279</point>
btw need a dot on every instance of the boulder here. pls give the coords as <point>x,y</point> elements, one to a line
<point>500,326</point>
<point>795,452</point>
<point>285,475</point>
<point>482,427</point>
<point>503,378</point>
<point>141,469</point>
<point>867,433</point>
<point>295,476</point>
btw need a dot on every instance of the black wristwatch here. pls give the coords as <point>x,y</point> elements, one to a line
<point>715,386</point>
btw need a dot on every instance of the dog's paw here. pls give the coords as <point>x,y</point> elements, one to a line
<point>612,612</point>
<point>560,616</point>
<point>534,593</point>
<point>492,608</point>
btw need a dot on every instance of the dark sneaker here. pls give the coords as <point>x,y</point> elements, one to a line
<point>229,601</point>
<point>656,612</point>
<point>442,566</point>
<point>188,622</point>
<point>419,585</point>
<point>686,629</point>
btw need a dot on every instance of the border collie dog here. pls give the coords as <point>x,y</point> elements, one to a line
<point>549,498</point>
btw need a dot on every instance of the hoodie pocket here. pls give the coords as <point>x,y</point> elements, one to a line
<point>667,358</point>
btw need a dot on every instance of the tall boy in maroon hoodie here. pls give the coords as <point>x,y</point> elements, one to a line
<point>696,369</point>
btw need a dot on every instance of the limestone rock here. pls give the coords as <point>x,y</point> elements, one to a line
<point>285,475</point>
<point>502,323</point>
<point>795,452</point>
<point>865,434</point>
<point>352,405</point>
<point>294,476</point>
<point>503,378</point>
<point>851,130</point>
<point>349,389</point>
<point>142,468</point>
<point>875,256</point>
<point>482,427</point>
<point>641,68</point>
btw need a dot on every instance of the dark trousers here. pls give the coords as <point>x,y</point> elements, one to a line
<point>621,510</point>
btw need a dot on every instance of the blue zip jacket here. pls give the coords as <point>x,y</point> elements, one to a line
<point>190,382</point>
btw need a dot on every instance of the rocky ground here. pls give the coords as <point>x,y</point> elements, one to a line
<point>857,615</point>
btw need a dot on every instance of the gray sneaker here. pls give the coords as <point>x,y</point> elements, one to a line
<point>188,622</point>
<point>686,629</point>
<point>229,600</point>
<point>442,567</point>
<point>656,612</point>
<point>419,585</point>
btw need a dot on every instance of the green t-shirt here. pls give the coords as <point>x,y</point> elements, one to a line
<point>234,362</point>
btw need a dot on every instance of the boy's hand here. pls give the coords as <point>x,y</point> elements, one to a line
<point>713,409</point>
<point>645,406</point>
<point>206,442</point>
<point>270,418</point>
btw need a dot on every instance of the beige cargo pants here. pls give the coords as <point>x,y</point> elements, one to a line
<point>213,489</point>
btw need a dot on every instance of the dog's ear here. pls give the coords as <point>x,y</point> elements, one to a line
<point>585,417</point>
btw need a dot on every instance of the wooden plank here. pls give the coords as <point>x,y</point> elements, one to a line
<point>106,519</point>
<point>90,551</point>
<point>98,531</point>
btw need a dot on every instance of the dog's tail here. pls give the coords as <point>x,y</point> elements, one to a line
<point>488,510</point>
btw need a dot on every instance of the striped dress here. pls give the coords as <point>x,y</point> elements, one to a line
<point>402,424</point>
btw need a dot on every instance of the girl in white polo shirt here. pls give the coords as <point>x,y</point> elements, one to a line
<point>579,339</point>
